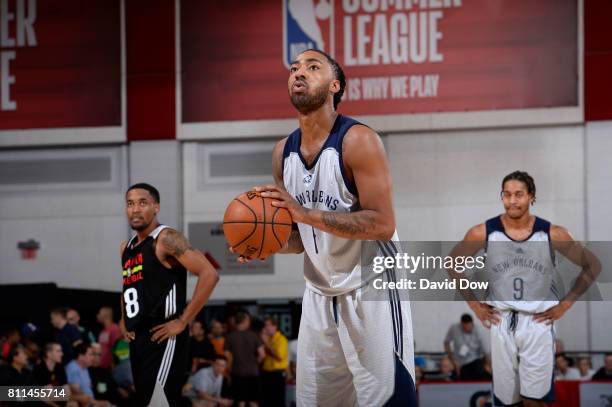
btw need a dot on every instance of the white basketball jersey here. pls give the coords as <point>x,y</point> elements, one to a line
<point>522,275</point>
<point>332,264</point>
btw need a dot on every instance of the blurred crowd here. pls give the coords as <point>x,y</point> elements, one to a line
<point>242,361</point>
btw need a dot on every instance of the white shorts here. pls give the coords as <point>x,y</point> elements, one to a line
<point>522,357</point>
<point>355,352</point>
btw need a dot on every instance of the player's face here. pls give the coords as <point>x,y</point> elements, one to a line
<point>141,208</point>
<point>311,82</point>
<point>516,199</point>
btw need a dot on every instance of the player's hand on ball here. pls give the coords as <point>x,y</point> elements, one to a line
<point>486,314</point>
<point>282,199</point>
<point>167,330</point>
<point>552,314</point>
<point>242,259</point>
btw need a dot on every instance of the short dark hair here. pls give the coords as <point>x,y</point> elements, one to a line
<point>81,348</point>
<point>338,73</point>
<point>49,347</point>
<point>221,357</point>
<point>272,320</point>
<point>13,352</point>
<point>466,318</point>
<point>63,311</point>
<point>523,177</point>
<point>240,317</point>
<point>147,187</point>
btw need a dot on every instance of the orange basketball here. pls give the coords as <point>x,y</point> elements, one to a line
<point>255,228</point>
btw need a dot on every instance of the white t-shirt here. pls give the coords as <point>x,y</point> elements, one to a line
<point>205,381</point>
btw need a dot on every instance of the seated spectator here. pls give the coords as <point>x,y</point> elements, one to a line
<point>122,372</point>
<point>564,371</point>
<point>201,350</point>
<point>74,318</point>
<point>77,375</point>
<point>465,347</point>
<point>605,373</point>
<point>446,373</point>
<point>8,342</point>
<point>102,383</point>
<point>585,369</point>
<point>67,335</point>
<point>418,375</point>
<point>204,387</point>
<point>50,372</point>
<point>108,336</point>
<point>15,373</point>
<point>33,351</point>
<point>217,338</point>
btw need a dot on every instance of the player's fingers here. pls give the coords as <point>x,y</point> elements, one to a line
<point>157,327</point>
<point>265,187</point>
<point>280,204</point>
<point>272,194</point>
<point>231,249</point>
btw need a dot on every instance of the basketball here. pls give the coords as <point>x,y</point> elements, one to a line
<point>253,227</point>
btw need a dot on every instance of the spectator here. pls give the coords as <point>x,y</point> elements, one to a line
<point>33,351</point>
<point>108,336</point>
<point>418,375</point>
<point>585,369</point>
<point>207,383</point>
<point>559,346</point>
<point>8,342</point>
<point>67,335</point>
<point>465,348</point>
<point>102,383</point>
<point>74,318</point>
<point>275,364</point>
<point>564,371</point>
<point>201,350</point>
<point>16,372</point>
<point>77,375</point>
<point>122,372</point>
<point>605,373</point>
<point>216,337</point>
<point>447,372</point>
<point>245,352</point>
<point>50,372</point>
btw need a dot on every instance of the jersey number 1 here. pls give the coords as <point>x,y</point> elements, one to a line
<point>130,297</point>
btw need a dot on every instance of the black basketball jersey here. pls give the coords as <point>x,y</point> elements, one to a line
<point>152,292</point>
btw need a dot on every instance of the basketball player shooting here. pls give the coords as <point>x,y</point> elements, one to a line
<point>154,316</point>
<point>523,299</point>
<point>333,177</point>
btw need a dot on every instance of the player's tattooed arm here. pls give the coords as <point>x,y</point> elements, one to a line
<point>174,243</point>
<point>366,166</point>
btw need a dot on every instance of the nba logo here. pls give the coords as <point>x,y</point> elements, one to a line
<point>307,24</point>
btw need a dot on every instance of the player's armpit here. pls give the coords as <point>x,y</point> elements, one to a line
<point>294,244</point>
<point>277,162</point>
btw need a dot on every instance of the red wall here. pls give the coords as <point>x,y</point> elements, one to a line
<point>597,60</point>
<point>150,55</point>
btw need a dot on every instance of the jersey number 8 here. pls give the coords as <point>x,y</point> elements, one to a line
<point>130,297</point>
